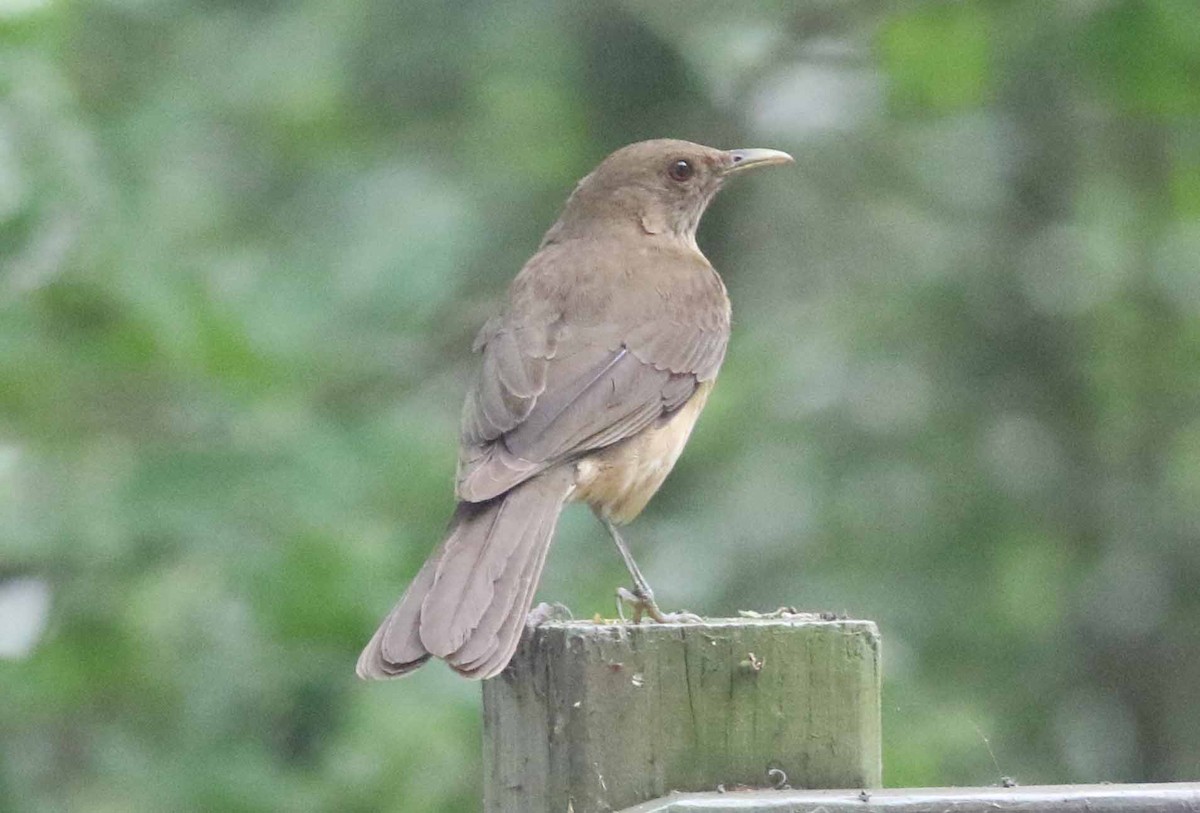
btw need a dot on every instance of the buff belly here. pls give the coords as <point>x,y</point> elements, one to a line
<point>618,481</point>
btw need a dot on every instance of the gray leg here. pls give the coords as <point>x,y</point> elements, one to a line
<point>642,597</point>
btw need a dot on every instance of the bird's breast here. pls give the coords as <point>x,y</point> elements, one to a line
<point>619,480</point>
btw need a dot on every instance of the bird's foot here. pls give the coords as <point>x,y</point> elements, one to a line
<point>643,605</point>
<point>544,612</point>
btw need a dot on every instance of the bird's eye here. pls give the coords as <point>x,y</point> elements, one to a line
<point>681,170</point>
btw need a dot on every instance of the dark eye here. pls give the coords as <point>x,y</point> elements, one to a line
<point>681,170</point>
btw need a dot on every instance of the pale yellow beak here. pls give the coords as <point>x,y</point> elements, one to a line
<point>747,159</point>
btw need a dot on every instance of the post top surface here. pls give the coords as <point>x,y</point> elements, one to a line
<point>763,620</point>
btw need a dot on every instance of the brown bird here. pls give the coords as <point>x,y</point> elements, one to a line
<point>592,378</point>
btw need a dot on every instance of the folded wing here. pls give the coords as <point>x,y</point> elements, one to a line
<point>552,392</point>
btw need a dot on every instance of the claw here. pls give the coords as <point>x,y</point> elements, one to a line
<point>644,605</point>
<point>544,612</point>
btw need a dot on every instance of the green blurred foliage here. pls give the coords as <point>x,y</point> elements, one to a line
<point>245,247</point>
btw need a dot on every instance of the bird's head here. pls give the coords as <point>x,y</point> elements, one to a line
<point>661,186</point>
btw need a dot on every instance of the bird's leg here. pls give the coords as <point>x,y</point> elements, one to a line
<point>641,598</point>
<point>641,588</point>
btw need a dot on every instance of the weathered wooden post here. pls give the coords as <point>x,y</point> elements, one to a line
<point>597,717</point>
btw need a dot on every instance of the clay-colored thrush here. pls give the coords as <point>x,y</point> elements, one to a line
<point>592,379</point>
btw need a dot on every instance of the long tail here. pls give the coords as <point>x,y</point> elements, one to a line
<point>469,601</point>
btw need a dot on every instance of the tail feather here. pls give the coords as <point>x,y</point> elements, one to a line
<point>468,603</point>
<point>491,645</point>
<point>509,636</point>
<point>470,584</point>
<point>395,649</point>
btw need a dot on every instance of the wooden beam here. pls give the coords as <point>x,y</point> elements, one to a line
<point>1172,797</point>
<point>597,717</point>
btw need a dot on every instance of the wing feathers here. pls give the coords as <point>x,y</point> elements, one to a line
<point>614,398</point>
<point>581,360</point>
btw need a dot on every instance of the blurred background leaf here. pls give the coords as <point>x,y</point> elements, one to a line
<point>244,248</point>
